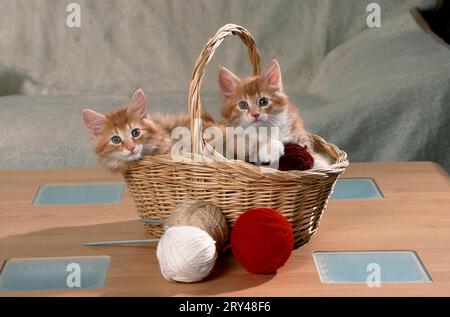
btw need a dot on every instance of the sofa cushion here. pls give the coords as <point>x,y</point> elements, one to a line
<point>154,44</point>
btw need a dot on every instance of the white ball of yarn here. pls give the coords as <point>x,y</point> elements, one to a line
<point>186,254</point>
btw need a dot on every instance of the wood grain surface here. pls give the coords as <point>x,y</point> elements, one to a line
<point>414,215</point>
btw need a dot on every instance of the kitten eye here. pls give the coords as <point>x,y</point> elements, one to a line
<point>116,139</point>
<point>243,105</point>
<point>263,102</point>
<point>135,133</point>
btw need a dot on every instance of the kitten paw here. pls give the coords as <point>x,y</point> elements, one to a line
<point>320,161</point>
<point>271,151</point>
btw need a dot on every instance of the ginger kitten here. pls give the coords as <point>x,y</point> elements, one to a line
<point>261,102</point>
<point>124,136</point>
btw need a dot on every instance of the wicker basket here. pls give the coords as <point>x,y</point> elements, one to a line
<point>158,183</point>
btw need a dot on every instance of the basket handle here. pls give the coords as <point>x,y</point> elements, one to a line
<point>195,105</point>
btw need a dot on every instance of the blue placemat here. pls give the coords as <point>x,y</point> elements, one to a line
<point>79,194</point>
<point>370,267</point>
<point>356,188</point>
<point>54,273</point>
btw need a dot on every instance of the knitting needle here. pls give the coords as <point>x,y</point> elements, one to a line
<point>117,242</point>
<point>151,221</point>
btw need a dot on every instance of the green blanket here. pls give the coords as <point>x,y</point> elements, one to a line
<point>381,94</point>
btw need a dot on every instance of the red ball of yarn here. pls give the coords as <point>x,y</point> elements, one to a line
<point>262,240</point>
<point>295,157</point>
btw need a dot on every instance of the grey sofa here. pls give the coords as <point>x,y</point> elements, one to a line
<point>381,94</point>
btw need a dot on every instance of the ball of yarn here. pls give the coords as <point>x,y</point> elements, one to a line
<point>295,157</point>
<point>187,251</point>
<point>203,215</point>
<point>262,240</point>
<point>186,254</point>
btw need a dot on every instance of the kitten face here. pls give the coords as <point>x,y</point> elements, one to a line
<point>122,136</point>
<point>256,101</point>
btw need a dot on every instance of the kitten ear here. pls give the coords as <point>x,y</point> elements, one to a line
<point>93,121</point>
<point>272,75</point>
<point>138,105</point>
<point>227,81</point>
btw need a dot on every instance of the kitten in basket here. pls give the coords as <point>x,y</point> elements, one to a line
<point>261,102</point>
<point>124,136</point>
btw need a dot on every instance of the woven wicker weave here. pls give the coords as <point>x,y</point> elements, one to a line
<point>158,183</point>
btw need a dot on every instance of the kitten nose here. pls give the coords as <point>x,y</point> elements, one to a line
<point>131,148</point>
<point>255,115</point>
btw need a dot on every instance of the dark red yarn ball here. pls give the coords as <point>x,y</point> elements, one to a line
<point>262,240</point>
<point>295,157</point>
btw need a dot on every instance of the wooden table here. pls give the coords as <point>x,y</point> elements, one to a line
<point>414,215</point>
